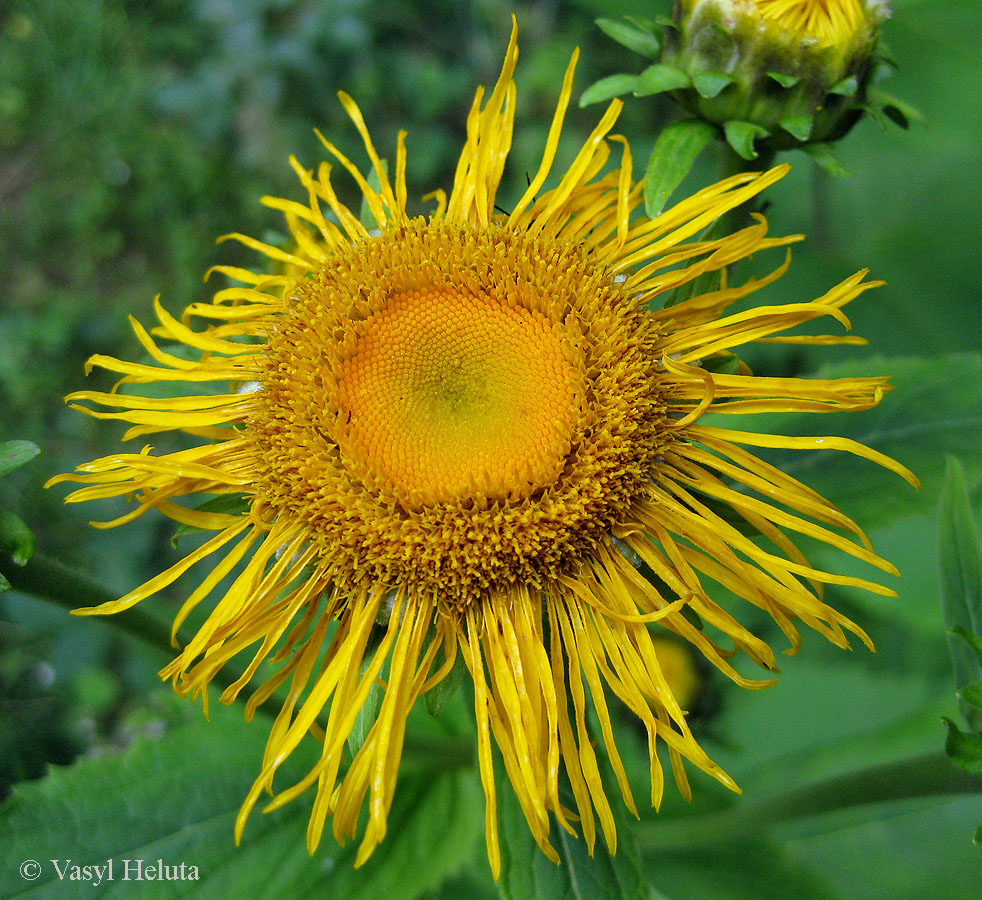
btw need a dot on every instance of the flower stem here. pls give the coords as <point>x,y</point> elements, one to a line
<point>931,775</point>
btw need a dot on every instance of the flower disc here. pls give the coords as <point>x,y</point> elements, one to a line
<point>458,411</point>
<point>451,392</point>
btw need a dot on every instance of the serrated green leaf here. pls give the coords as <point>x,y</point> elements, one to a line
<point>971,693</point>
<point>526,874</point>
<point>365,213</point>
<point>630,35</point>
<point>605,88</point>
<point>824,156</point>
<point>709,84</point>
<point>786,81</point>
<point>659,78</point>
<point>847,87</point>
<point>15,537</point>
<point>231,504</point>
<point>963,749</point>
<point>960,570</point>
<point>671,159</point>
<point>741,136</point>
<point>14,454</point>
<point>176,799</point>
<point>799,127</point>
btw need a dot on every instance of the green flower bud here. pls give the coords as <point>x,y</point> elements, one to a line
<point>781,72</point>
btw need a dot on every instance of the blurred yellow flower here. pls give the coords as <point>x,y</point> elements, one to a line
<point>472,433</point>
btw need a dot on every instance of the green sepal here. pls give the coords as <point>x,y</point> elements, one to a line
<point>963,749</point>
<point>899,112</point>
<point>710,84</point>
<point>230,504</point>
<point>659,78</point>
<point>14,454</point>
<point>824,156</point>
<point>741,136</point>
<point>365,213</point>
<point>875,113</point>
<point>633,35</point>
<point>437,697</point>
<point>847,87</point>
<point>799,127</point>
<point>786,81</point>
<point>15,538</point>
<point>671,159</point>
<point>605,88</point>
<point>971,693</point>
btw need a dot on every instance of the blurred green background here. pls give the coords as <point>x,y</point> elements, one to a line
<point>134,133</point>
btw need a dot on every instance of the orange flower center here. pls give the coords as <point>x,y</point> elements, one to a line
<point>449,393</point>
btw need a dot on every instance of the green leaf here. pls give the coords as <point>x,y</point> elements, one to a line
<point>231,504</point>
<point>671,159</point>
<point>799,127</point>
<point>973,640</point>
<point>641,40</point>
<point>750,868</point>
<point>526,873</point>
<point>709,84</point>
<point>935,408</point>
<point>176,799</point>
<point>724,364</point>
<point>964,750</point>
<point>971,693</point>
<point>845,88</point>
<point>4,584</point>
<point>824,156</point>
<point>659,78</point>
<point>741,136</point>
<point>14,454</point>
<point>15,537</point>
<point>960,570</point>
<point>786,81</point>
<point>611,86</point>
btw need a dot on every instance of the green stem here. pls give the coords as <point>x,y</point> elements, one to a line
<point>932,775</point>
<point>48,579</point>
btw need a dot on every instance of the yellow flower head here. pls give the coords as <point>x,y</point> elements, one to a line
<point>476,434</point>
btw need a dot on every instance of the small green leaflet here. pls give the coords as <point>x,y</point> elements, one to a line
<point>671,159</point>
